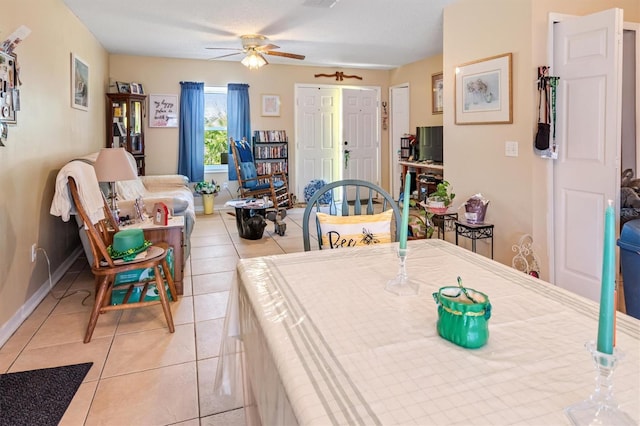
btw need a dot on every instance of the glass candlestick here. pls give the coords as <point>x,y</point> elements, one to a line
<point>401,284</point>
<point>601,407</point>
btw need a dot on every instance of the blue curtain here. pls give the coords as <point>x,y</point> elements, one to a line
<point>238,119</point>
<point>191,131</point>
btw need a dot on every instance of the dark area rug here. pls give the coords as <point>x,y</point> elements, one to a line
<point>39,397</point>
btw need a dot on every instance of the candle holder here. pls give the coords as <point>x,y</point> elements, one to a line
<point>601,407</point>
<point>401,284</point>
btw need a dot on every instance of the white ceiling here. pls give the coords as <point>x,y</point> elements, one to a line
<point>373,34</point>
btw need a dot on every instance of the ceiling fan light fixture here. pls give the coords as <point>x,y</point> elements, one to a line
<point>254,60</point>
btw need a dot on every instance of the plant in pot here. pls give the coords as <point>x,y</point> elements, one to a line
<point>439,201</point>
<point>208,190</point>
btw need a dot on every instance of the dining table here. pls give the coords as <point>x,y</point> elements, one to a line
<point>313,338</point>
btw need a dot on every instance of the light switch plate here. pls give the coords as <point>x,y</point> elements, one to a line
<point>511,148</point>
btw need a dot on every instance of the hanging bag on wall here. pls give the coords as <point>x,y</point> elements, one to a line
<point>544,128</point>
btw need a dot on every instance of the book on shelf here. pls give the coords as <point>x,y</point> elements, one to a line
<point>278,151</point>
<point>270,136</point>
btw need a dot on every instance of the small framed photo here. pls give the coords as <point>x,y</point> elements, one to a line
<point>437,94</point>
<point>135,88</point>
<point>141,90</point>
<point>270,106</point>
<point>79,83</point>
<point>121,129</point>
<point>483,91</point>
<point>123,87</point>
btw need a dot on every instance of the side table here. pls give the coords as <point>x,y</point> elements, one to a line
<point>474,231</point>
<point>444,220</point>
<point>250,216</point>
<point>172,234</point>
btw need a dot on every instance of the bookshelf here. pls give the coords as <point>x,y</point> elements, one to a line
<point>271,151</point>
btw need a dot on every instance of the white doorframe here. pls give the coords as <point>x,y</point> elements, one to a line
<point>396,129</point>
<point>338,148</point>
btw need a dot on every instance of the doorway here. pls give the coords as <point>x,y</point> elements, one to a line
<point>337,134</point>
<point>399,96</point>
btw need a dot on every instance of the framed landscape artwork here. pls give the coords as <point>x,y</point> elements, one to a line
<point>483,91</point>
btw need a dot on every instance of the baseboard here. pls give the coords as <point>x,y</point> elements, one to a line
<point>10,327</point>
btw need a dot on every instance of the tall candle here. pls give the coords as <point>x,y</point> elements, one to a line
<point>607,289</point>
<point>405,212</point>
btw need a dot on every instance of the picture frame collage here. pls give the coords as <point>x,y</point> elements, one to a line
<point>9,93</point>
<point>135,88</point>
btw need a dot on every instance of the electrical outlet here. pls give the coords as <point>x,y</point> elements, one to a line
<point>34,248</point>
<point>225,185</point>
<point>511,149</point>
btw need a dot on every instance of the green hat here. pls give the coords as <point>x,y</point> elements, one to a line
<point>127,244</point>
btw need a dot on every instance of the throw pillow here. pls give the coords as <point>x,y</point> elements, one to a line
<point>349,231</point>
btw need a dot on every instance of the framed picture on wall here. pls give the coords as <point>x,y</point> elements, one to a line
<point>483,91</point>
<point>163,110</point>
<point>270,105</point>
<point>437,94</point>
<point>79,83</point>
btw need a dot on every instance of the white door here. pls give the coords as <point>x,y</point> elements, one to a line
<point>360,136</point>
<point>399,127</point>
<point>587,58</point>
<point>317,136</point>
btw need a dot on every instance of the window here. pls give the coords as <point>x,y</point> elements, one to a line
<point>215,126</point>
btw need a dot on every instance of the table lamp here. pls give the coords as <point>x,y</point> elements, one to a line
<point>113,165</point>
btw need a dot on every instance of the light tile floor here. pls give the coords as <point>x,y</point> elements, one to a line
<point>141,373</point>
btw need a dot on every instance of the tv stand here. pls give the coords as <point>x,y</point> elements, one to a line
<point>420,167</point>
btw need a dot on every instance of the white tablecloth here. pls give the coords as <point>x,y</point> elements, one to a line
<point>326,344</point>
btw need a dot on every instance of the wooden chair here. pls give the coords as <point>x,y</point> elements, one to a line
<point>251,184</point>
<point>363,192</point>
<point>105,268</point>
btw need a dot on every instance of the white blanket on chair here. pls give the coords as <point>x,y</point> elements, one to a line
<point>88,191</point>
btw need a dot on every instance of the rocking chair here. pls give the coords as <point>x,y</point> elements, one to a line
<point>252,185</point>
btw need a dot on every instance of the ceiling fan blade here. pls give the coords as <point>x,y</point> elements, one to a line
<point>224,56</point>
<point>223,48</point>
<point>284,54</point>
<point>267,47</point>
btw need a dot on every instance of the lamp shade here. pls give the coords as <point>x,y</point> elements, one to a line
<point>253,60</point>
<point>113,165</point>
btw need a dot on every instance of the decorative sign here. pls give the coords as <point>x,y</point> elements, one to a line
<point>163,110</point>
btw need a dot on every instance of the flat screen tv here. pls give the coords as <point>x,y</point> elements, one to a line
<point>430,144</point>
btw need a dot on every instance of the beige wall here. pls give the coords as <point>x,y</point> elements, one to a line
<point>519,188</point>
<point>49,132</point>
<point>418,75</point>
<point>162,75</point>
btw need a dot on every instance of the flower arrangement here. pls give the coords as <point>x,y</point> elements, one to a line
<point>207,187</point>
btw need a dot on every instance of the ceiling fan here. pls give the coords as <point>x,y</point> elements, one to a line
<point>254,46</point>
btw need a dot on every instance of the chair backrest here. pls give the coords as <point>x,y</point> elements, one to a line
<point>362,204</point>
<point>98,233</point>
<point>245,166</point>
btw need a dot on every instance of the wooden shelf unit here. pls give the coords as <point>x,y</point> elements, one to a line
<point>125,112</point>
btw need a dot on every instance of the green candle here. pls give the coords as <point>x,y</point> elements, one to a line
<point>405,212</point>
<point>607,288</point>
